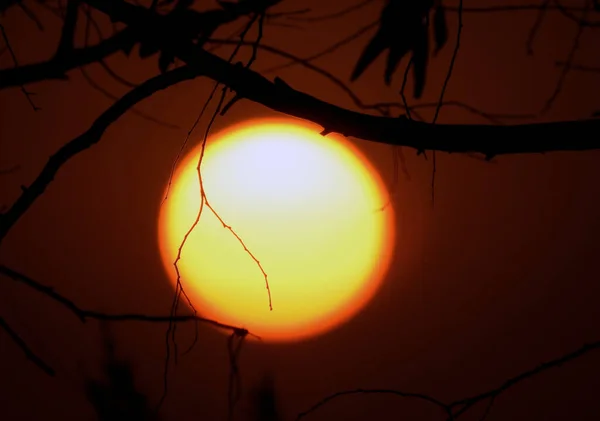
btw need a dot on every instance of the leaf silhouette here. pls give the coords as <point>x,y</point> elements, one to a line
<point>440,28</point>
<point>184,24</point>
<point>181,25</point>
<point>117,398</point>
<point>265,401</point>
<point>373,49</point>
<point>420,58</point>
<point>403,28</point>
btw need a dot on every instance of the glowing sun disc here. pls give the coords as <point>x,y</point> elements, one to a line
<point>307,207</point>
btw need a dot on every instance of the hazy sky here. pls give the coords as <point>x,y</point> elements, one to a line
<point>497,276</point>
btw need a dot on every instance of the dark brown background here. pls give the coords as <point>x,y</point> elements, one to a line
<point>499,275</point>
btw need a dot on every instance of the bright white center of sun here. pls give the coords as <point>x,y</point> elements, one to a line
<point>307,207</point>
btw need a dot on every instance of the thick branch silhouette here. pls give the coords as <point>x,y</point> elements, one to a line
<point>58,66</point>
<point>279,96</point>
<point>421,136</point>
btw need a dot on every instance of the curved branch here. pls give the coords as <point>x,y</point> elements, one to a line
<point>25,348</point>
<point>459,407</point>
<point>509,139</point>
<point>84,315</point>
<point>336,395</point>
<point>57,67</point>
<point>381,106</point>
<point>334,15</point>
<point>87,139</point>
<point>464,404</point>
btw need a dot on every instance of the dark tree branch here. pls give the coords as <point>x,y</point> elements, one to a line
<point>565,70</point>
<point>14,58</point>
<point>87,139</point>
<point>92,22</point>
<point>66,43</point>
<point>133,110</point>
<point>57,67</point>
<point>334,15</point>
<point>25,348</point>
<point>461,406</point>
<point>579,67</point>
<point>418,396</point>
<point>179,290</point>
<point>31,15</point>
<point>582,21</point>
<point>84,315</point>
<point>514,8</point>
<point>384,107</point>
<point>327,50</point>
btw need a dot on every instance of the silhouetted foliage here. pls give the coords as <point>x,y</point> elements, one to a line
<point>404,28</point>
<point>116,398</point>
<point>183,24</point>
<point>264,399</point>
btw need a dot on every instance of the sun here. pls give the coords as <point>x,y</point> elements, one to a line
<point>304,208</point>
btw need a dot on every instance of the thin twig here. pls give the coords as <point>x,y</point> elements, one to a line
<point>14,58</point>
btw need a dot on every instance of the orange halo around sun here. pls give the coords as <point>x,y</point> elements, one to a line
<point>308,208</point>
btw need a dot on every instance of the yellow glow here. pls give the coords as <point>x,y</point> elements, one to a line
<point>306,206</point>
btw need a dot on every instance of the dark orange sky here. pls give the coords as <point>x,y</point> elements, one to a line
<point>497,276</point>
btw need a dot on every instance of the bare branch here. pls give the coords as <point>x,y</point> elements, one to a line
<point>579,67</point>
<point>66,43</point>
<point>31,15</point>
<point>452,62</point>
<point>536,26</point>
<point>327,50</point>
<point>87,139</point>
<point>26,350</point>
<point>333,15</point>
<point>444,87</point>
<point>582,21</point>
<point>84,314</point>
<point>90,21</point>
<point>419,396</point>
<point>381,107</point>
<point>514,8</point>
<point>57,67</point>
<point>567,67</point>
<point>459,407</point>
<point>463,405</point>
<point>133,110</point>
<point>14,58</point>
